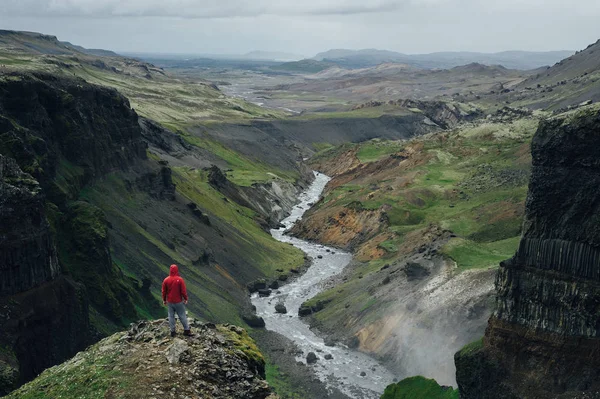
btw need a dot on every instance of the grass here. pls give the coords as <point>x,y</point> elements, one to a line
<point>419,388</point>
<point>376,149</point>
<point>261,248</point>
<point>95,375</point>
<point>442,184</point>
<point>243,170</point>
<point>468,254</point>
<point>280,383</point>
<point>472,348</point>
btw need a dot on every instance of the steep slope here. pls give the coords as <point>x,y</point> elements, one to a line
<point>93,204</point>
<point>427,220</point>
<point>543,339</point>
<point>568,83</point>
<point>34,334</point>
<point>221,361</point>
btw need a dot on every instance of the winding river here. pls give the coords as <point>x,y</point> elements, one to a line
<point>353,373</point>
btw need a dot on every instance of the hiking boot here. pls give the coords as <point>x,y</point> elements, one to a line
<point>173,333</point>
<point>188,333</point>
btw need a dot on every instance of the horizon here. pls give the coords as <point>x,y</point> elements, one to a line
<point>260,50</point>
<point>234,27</point>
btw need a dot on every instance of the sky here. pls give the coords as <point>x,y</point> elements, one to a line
<point>306,27</point>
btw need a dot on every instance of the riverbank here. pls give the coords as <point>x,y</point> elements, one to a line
<point>355,374</point>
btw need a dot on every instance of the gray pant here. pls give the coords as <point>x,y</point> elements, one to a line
<point>178,308</point>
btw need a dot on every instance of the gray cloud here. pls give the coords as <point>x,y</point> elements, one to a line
<point>192,9</point>
<point>309,26</point>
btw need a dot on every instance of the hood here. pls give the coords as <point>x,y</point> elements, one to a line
<point>174,271</point>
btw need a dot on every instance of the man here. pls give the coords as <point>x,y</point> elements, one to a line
<point>175,297</point>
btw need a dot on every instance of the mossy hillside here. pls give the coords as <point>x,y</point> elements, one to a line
<point>146,252</point>
<point>450,189</point>
<point>244,343</point>
<point>419,388</point>
<point>242,170</point>
<point>280,383</point>
<point>84,251</point>
<point>258,246</point>
<point>152,94</point>
<point>441,184</point>
<point>89,378</point>
<point>147,235</point>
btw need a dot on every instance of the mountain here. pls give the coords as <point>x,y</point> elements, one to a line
<point>542,338</point>
<point>37,43</point>
<point>98,52</point>
<point>570,82</point>
<point>271,56</point>
<point>523,60</point>
<point>304,66</point>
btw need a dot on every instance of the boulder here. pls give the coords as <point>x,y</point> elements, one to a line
<point>280,308</point>
<point>174,352</point>
<point>264,292</point>
<point>304,311</point>
<point>311,358</point>
<point>328,356</point>
<point>254,321</point>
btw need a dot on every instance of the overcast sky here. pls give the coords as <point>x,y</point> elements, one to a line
<point>308,26</point>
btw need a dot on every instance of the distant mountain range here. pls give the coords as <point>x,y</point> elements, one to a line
<point>272,56</point>
<point>523,60</point>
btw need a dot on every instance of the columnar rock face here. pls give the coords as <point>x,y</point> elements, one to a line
<point>27,253</point>
<point>543,340</point>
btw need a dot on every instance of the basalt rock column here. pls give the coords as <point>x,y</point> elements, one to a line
<point>543,340</point>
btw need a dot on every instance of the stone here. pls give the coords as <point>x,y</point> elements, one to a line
<point>254,321</point>
<point>174,352</point>
<point>304,311</point>
<point>264,292</point>
<point>328,356</point>
<point>311,358</point>
<point>280,308</point>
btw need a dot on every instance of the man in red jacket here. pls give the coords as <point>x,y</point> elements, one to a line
<point>175,297</point>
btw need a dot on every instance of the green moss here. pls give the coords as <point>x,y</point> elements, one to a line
<point>280,383</point>
<point>243,170</point>
<point>91,378</point>
<point>419,388</point>
<point>377,149</point>
<point>243,342</point>
<point>468,254</point>
<point>472,348</point>
<point>260,248</point>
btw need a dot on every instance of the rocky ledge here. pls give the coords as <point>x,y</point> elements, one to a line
<point>543,340</point>
<point>219,361</point>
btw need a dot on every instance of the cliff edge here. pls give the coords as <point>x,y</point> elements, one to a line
<point>543,340</point>
<point>220,361</point>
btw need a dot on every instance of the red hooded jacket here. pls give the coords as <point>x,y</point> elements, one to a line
<point>173,287</point>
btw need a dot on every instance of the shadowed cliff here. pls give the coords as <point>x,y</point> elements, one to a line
<point>543,340</point>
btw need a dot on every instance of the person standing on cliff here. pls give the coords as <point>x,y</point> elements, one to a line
<point>175,298</point>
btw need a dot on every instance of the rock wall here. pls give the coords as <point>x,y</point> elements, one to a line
<point>56,135</point>
<point>27,253</point>
<point>543,339</point>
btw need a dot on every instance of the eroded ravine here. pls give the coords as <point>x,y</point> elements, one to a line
<point>343,371</point>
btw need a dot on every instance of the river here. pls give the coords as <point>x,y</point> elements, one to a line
<point>344,370</point>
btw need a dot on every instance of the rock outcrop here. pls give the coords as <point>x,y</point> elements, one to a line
<point>56,136</point>
<point>27,254</point>
<point>43,314</point>
<point>543,340</point>
<point>220,361</point>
